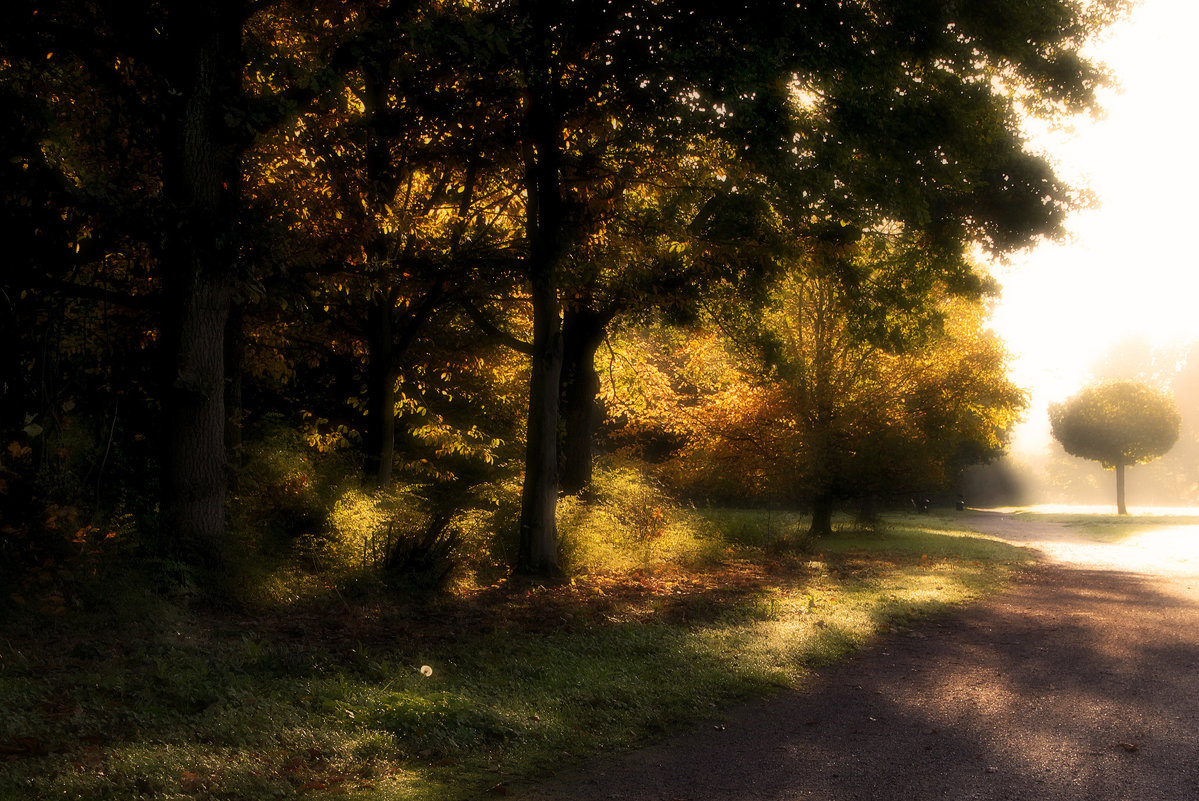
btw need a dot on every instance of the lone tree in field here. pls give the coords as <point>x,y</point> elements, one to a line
<point>1117,424</point>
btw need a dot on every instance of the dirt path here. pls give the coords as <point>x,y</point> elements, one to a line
<point>1081,682</point>
<point>1163,551</point>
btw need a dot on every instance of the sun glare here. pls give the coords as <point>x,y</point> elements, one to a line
<point>1129,266</point>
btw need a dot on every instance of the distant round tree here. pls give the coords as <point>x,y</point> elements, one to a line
<point>1118,423</point>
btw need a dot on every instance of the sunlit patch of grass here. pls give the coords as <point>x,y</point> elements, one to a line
<point>928,536</point>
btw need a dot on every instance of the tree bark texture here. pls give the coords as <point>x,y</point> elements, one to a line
<point>381,394</point>
<point>822,515</point>
<point>537,552</point>
<point>234,404</point>
<point>194,475</point>
<point>201,174</point>
<point>582,333</point>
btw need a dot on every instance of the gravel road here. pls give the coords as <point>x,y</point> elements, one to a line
<point>1080,682</point>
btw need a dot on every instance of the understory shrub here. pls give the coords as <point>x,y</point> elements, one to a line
<point>627,520</point>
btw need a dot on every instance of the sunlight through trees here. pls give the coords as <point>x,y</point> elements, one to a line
<point>456,248</point>
<point>1118,424</point>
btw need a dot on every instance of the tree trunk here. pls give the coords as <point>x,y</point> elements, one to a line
<point>201,175</point>
<point>380,394</point>
<point>538,547</point>
<point>1121,508</point>
<point>194,475</point>
<point>822,516</point>
<point>381,426</point>
<point>234,411</point>
<point>582,333</point>
<point>821,471</point>
<point>538,553</point>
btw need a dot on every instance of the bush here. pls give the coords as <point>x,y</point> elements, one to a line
<point>420,536</point>
<point>770,530</point>
<point>627,520</point>
<point>285,489</point>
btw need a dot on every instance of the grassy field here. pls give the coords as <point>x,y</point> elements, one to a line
<point>150,697</point>
<point>1101,525</point>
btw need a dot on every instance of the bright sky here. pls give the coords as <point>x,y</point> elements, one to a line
<point>1132,265</point>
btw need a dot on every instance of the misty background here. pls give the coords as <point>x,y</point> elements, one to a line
<point>1115,300</point>
<point>1038,471</point>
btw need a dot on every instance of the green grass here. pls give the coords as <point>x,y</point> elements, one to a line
<point>1110,528</point>
<point>930,535</point>
<point>152,701</point>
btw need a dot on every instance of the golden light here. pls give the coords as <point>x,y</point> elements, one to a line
<point>1130,265</point>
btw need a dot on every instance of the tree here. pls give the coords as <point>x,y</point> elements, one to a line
<point>160,85</point>
<point>817,413</point>
<point>1117,424</point>
<point>851,112</point>
<point>567,168</point>
<point>178,91</point>
<point>395,174</point>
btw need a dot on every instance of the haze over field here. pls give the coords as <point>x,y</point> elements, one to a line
<point>1127,278</point>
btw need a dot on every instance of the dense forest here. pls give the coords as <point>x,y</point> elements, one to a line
<point>413,284</point>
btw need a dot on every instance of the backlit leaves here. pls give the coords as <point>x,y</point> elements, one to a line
<point>1116,423</point>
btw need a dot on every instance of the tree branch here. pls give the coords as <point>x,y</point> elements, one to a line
<point>493,331</point>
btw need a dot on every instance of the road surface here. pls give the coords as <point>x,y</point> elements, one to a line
<point>1080,682</point>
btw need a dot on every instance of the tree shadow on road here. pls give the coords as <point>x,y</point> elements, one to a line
<point>1075,684</point>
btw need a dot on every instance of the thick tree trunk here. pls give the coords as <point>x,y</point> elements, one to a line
<point>582,333</point>
<point>380,394</point>
<point>538,547</point>
<point>194,474</point>
<point>234,408</point>
<point>381,428</point>
<point>822,516</point>
<point>201,175</point>
<point>538,552</point>
<point>1121,508</point>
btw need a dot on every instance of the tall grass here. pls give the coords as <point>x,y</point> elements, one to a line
<point>627,522</point>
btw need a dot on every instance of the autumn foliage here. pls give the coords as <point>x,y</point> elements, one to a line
<point>451,255</point>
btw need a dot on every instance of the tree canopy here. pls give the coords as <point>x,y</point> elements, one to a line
<point>408,230</point>
<point>1117,424</point>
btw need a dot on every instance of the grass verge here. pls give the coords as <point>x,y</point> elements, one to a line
<point>1109,528</point>
<point>442,700</point>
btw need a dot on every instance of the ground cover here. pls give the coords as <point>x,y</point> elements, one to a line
<point>153,697</point>
<point>1109,528</point>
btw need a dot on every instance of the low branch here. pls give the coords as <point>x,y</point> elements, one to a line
<point>493,331</point>
<point>125,299</point>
